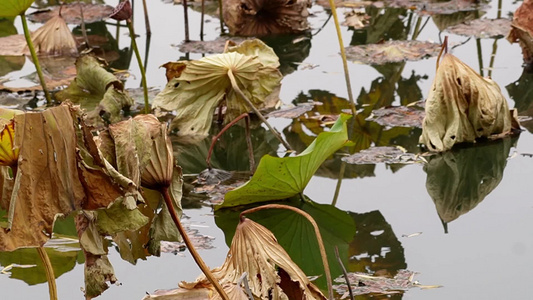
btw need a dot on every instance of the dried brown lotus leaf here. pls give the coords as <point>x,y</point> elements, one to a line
<point>522,29</point>
<point>462,106</point>
<point>55,38</point>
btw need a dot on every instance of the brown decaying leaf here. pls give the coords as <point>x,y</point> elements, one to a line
<point>291,112</point>
<point>388,155</point>
<point>522,29</point>
<point>255,250</point>
<point>392,51</point>
<point>482,28</point>
<point>355,19</point>
<point>215,46</point>
<point>71,13</point>
<point>398,116</point>
<point>264,17</point>
<point>54,38</point>
<point>462,106</point>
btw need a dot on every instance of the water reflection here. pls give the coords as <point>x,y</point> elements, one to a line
<point>458,180</point>
<point>522,93</point>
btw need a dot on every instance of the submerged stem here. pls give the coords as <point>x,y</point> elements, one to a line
<point>343,55</point>
<point>50,277</point>
<point>317,233</point>
<point>35,58</point>
<point>197,258</point>
<point>255,110</point>
<point>141,67</point>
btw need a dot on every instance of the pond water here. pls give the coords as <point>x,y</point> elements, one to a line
<point>463,221</point>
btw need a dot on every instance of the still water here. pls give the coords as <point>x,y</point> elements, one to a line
<point>471,209</point>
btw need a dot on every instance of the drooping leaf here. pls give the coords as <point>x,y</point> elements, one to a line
<point>462,106</point>
<point>280,178</point>
<point>12,8</point>
<point>54,38</point>
<point>254,66</point>
<point>119,218</point>
<point>522,30</point>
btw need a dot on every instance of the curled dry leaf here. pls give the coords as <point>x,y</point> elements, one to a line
<point>71,13</point>
<point>392,51</point>
<point>271,272</point>
<point>266,17</point>
<point>463,106</point>
<point>522,29</point>
<point>252,63</point>
<point>482,28</point>
<point>54,38</point>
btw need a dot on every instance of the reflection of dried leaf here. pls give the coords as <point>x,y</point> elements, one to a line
<point>398,116</point>
<point>71,13</point>
<point>264,17</point>
<point>462,106</point>
<point>388,155</point>
<point>522,29</point>
<point>483,28</point>
<point>392,51</point>
<point>54,38</point>
<point>271,272</point>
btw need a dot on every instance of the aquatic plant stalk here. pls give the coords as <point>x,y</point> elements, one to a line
<point>146,19</point>
<point>202,21</point>
<point>186,20</point>
<point>343,55</point>
<point>83,29</point>
<point>218,135</point>
<point>197,258</point>
<point>220,16</point>
<point>339,182</point>
<point>35,58</point>
<point>255,110</point>
<point>248,136</point>
<point>141,67</point>
<point>344,273</point>
<point>317,233</point>
<point>50,277</point>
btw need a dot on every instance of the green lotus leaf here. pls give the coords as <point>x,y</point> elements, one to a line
<point>12,8</point>
<point>279,178</point>
<point>200,87</point>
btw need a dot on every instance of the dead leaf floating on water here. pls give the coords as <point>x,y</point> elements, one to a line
<point>392,51</point>
<point>71,13</point>
<point>522,29</point>
<point>483,28</point>
<point>388,155</point>
<point>463,106</point>
<point>265,17</point>
<point>400,116</point>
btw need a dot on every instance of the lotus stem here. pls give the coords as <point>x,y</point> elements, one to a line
<point>141,67</point>
<point>343,55</point>
<point>220,16</point>
<point>83,29</point>
<point>186,20</point>
<point>50,277</point>
<point>493,57</point>
<point>197,258</point>
<point>35,58</point>
<point>256,111</point>
<point>248,136</point>
<point>344,273</point>
<point>317,233</point>
<point>146,19</point>
<point>202,21</point>
<point>339,182</point>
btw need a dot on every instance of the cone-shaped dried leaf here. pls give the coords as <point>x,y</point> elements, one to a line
<point>54,38</point>
<point>271,272</point>
<point>158,170</point>
<point>122,12</point>
<point>462,106</point>
<point>12,8</point>
<point>265,17</point>
<point>254,66</point>
<point>522,29</point>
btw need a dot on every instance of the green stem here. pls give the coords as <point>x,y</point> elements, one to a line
<point>343,54</point>
<point>339,182</point>
<point>197,258</point>
<point>141,67</point>
<point>50,277</point>
<point>35,58</point>
<point>479,56</point>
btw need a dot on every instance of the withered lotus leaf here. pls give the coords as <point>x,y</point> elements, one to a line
<point>264,17</point>
<point>271,272</point>
<point>54,38</point>
<point>462,106</point>
<point>522,29</point>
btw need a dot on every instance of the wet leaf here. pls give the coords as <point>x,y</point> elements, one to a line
<point>13,45</point>
<point>215,46</point>
<point>271,272</point>
<point>483,28</point>
<point>522,30</point>
<point>462,106</point>
<point>71,13</point>
<point>398,116</point>
<point>280,178</point>
<point>392,51</point>
<point>265,17</point>
<point>13,8</point>
<point>291,112</point>
<point>254,66</point>
<point>388,155</point>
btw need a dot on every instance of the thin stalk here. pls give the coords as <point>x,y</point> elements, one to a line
<point>493,56</point>
<point>141,67</point>
<point>186,20</point>
<point>146,19</point>
<point>248,134</point>
<point>317,233</point>
<point>339,182</point>
<point>197,258</point>
<point>50,277</point>
<point>202,21</point>
<point>417,27</point>
<point>220,16</point>
<point>344,273</point>
<point>83,30</point>
<point>216,137</point>
<point>479,56</point>
<point>255,110</point>
<point>343,55</point>
<point>117,33</point>
<point>35,58</point>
